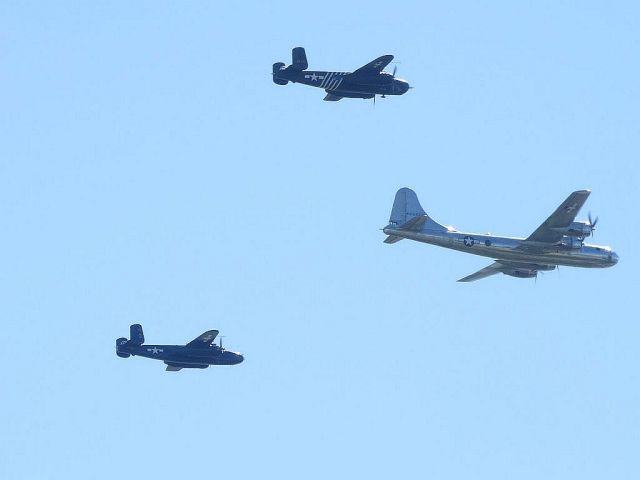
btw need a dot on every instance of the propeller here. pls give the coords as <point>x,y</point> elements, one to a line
<point>393,74</point>
<point>220,339</point>
<point>592,223</point>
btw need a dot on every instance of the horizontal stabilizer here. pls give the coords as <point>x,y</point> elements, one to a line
<point>415,224</point>
<point>392,239</point>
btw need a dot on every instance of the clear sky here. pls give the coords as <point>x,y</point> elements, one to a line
<point>151,172</point>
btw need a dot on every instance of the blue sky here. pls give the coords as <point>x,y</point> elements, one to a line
<point>152,173</point>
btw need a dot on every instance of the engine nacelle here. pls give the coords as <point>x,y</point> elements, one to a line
<point>521,273</point>
<point>571,242</point>
<point>579,229</point>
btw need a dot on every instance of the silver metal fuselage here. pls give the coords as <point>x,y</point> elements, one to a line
<point>512,249</point>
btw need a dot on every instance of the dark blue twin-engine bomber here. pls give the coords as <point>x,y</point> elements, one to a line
<point>198,353</point>
<point>365,82</point>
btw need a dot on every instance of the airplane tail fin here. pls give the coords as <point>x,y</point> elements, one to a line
<point>408,214</point>
<point>298,64</point>
<point>276,69</point>
<point>298,59</point>
<point>119,342</point>
<point>136,334</point>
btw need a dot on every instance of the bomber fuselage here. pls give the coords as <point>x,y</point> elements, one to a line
<point>570,252</point>
<point>347,84</point>
<point>200,357</point>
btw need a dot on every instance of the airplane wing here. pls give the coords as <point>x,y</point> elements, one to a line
<point>332,97</point>
<point>492,269</point>
<point>173,368</point>
<point>376,66</point>
<point>204,340</point>
<point>514,269</point>
<point>561,218</point>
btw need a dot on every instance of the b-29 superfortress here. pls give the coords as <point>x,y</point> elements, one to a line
<point>558,241</point>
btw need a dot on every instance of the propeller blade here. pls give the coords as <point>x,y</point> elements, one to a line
<point>395,68</point>
<point>592,223</point>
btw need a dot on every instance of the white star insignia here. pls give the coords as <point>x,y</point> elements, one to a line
<point>571,208</point>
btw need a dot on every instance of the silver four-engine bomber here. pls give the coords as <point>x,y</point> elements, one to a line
<point>558,241</point>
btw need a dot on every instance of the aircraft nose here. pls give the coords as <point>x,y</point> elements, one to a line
<point>614,257</point>
<point>239,358</point>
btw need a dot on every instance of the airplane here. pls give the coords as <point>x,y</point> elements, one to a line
<point>198,353</point>
<point>558,241</point>
<point>366,82</point>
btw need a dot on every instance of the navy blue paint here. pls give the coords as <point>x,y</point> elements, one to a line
<point>181,356</point>
<point>354,85</point>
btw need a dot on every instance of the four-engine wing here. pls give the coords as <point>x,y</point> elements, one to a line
<point>513,269</point>
<point>204,340</point>
<point>561,218</point>
<point>376,66</point>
